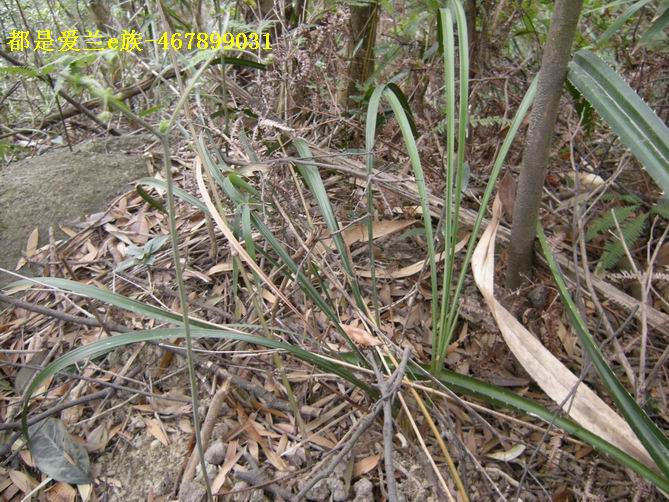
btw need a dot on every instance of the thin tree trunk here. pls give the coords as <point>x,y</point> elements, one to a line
<point>364,19</point>
<point>540,134</point>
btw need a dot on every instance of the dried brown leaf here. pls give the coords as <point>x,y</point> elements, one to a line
<point>365,465</point>
<point>361,336</point>
<point>61,492</point>
<point>155,428</point>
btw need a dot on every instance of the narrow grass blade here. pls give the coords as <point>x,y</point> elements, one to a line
<point>494,174</point>
<point>114,299</point>
<point>622,19</point>
<point>656,29</point>
<point>312,177</point>
<point>455,165</point>
<point>447,43</point>
<point>178,192</point>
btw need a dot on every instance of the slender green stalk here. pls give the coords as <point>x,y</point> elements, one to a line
<point>454,165</point>
<point>463,124</point>
<point>192,377</point>
<point>449,225</point>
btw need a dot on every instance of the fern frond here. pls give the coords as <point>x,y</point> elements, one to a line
<point>616,197</point>
<point>606,222</point>
<point>614,250</point>
<point>662,210</point>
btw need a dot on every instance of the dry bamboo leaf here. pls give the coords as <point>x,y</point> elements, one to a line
<point>31,246</point>
<point>155,428</point>
<point>232,456</point>
<point>85,492</point>
<point>189,272</point>
<point>321,441</point>
<point>380,228</point>
<point>22,481</point>
<point>365,465</point>
<point>68,231</point>
<point>219,268</point>
<point>584,406</point>
<point>361,336</point>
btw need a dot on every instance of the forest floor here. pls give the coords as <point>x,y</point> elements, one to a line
<point>270,428</point>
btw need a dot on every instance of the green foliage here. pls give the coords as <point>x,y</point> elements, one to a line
<point>662,209</point>
<point>615,248</point>
<point>144,255</point>
<point>606,222</point>
<point>631,218</point>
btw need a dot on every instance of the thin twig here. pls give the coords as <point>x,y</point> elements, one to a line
<point>384,387</point>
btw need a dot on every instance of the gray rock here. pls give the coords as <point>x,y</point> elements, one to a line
<point>190,491</point>
<point>60,186</point>
<point>319,491</point>
<point>364,490</point>
<point>215,454</point>
<point>538,296</point>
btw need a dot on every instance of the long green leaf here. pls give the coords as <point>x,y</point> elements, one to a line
<point>655,442</point>
<point>638,127</point>
<point>455,166</point>
<point>494,174</point>
<point>106,345</point>
<point>312,177</point>
<point>507,399</point>
<point>178,192</point>
<point>657,28</point>
<point>111,298</point>
<point>622,19</point>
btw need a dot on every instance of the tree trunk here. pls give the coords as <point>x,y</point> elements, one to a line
<point>537,146</point>
<point>364,19</point>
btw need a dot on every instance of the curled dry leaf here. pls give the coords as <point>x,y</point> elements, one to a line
<point>155,428</point>
<point>361,336</point>
<point>508,455</point>
<point>31,248</point>
<point>588,181</point>
<point>582,404</point>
